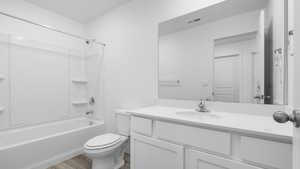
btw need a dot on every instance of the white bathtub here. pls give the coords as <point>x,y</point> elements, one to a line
<point>41,146</point>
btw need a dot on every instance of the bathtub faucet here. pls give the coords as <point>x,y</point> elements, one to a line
<point>89,113</point>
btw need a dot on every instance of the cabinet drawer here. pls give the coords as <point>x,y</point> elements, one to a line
<point>210,140</point>
<point>200,160</point>
<point>268,153</point>
<point>149,153</point>
<point>141,126</point>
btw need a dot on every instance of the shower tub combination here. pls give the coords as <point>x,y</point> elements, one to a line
<point>41,146</point>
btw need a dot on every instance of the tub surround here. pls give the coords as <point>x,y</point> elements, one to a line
<point>264,126</point>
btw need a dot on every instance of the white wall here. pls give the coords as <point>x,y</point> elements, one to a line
<point>37,84</point>
<point>187,55</point>
<point>131,32</point>
<point>22,9</point>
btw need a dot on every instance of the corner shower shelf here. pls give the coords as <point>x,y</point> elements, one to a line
<point>79,81</point>
<point>80,102</point>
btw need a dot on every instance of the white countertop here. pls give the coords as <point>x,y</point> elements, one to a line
<point>263,126</point>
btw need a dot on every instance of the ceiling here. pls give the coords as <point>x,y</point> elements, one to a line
<point>223,9</point>
<point>80,10</point>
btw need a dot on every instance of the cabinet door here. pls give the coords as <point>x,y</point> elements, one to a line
<point>149,153</point>
<point>200,160</point>
<point>267,153</point>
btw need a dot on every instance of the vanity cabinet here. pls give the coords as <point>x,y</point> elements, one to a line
<point>159,144</point>
<point>269,153</point>
<point>141,126</point>
<point>149,153</point>
<point>199,160</point>
<point>194,136</point>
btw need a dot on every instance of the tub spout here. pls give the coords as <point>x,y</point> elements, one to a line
<point>89,113</point>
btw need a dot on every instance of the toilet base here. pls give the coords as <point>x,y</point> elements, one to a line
<point>108,162</point>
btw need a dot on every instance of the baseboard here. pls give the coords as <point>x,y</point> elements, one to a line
<point>57,159</point>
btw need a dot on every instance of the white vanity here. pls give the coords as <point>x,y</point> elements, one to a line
<point>174,138</point>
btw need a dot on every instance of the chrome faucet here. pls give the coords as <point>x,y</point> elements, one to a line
<point>89,113</point>
<point>202,107</point>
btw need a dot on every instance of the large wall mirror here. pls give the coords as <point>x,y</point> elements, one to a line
<point>232,51</point>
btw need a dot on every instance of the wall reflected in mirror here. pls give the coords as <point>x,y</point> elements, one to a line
<point>233,51</point>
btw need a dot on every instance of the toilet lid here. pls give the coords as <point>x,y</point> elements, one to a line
<point>102,141</point>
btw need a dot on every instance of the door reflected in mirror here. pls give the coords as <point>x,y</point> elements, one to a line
<point>232,51</point>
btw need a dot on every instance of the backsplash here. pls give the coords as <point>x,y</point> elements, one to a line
<point>255,109</point>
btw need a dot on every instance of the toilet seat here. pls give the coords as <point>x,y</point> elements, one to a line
<point>103,141</point>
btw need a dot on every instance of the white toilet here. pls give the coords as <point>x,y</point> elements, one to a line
<point>106,151</point>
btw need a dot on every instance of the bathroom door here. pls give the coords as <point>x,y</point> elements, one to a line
<point>226,78</point>
<point>296,92</point>
<point>296,97</point>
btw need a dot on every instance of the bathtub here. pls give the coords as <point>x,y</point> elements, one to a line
<point>40,146</point>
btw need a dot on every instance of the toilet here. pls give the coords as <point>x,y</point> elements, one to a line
<point>107,151</point>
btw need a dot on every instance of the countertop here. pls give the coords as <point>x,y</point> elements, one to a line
<point>245,124</point>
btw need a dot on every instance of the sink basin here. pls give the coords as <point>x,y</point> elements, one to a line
<point>197,114</point>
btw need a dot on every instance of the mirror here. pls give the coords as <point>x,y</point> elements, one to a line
<point>232,51</point>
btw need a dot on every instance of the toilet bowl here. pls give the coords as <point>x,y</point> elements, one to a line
<point>106,151</point>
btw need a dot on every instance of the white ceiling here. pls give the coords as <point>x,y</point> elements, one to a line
<point>223,9</point>
<point>80,10</point>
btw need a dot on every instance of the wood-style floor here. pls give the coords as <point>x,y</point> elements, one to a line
<point>82,162</point>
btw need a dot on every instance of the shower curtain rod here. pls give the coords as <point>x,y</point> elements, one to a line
<point>87,40</point>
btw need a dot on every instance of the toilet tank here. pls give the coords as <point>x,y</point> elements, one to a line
<point>122,122</point>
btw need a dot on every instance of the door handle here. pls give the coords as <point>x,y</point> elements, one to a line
<point>283,117</point>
